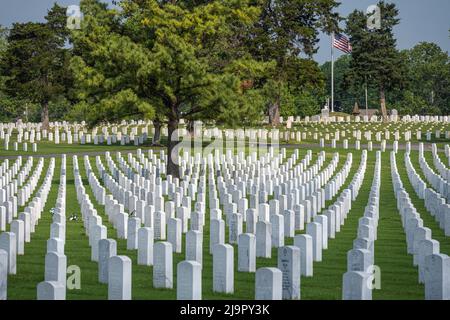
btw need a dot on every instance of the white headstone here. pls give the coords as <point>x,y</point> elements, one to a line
<point>145,246</point>
<point>3,274</point>
<point>263,239</point>
<point>305,243</point>
<point>268,284</point>
<point>107,248</point>
<point>119,278</point>
<point>356,286</point>
<point>9,244</point>
<point>247,252</point>
<point>189,280</point>
<point>437,277</point>
<point>51,290</point>
<point>289,264</point>
<point>162,265</point>
<point>223,268</point>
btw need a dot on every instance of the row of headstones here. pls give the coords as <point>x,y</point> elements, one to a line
<point>189,271</point>
<point>178,229</point>
<point>24,193</point>
<point>9,173</point>
<point>31,131</point>
<point>440,166</point>
<point>404,120</point>
<point>24,146</point>
<point>98,190</point>
<point>116,270</point>
<point>128,177</point>
<point>435,203</point>
<point>439,184</point>
<point>12,243</point>
<point>414,178</point>
<point>129,228</point>
<point>231,191</point>
<point>244,218</point>
<point>345,146</point>
<point>9,208</point>
<point>434,267</point>
<point>33,138</point>
<point>112,139</point>
<point>270,220</point>
<point>447,153</point>
<point>54,285</point>
<point>21,137</point>
<point>240,170</point>
<point>5,168</point>
<point>296,261</point>
<point>357,134</point>
<point>99,139</point>
<point>439,209</point>
<point>10,181</point>
<point>144,168</point>
<point>360,260</point>
<point>267,212</point>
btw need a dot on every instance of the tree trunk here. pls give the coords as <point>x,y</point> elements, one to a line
<point>383,104</point>
<point>172,167</point>
<point>156,140</point>
<point>190,127</point>
<point>44,116</point>
<point>274,113</point>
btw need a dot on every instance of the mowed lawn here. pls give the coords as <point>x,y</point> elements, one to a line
<point>398,275</point>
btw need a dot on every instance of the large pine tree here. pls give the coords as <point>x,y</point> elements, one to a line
<point>35,61</point>
<point>375,59</point>
<point>287,33</point>
<point>166,61</point>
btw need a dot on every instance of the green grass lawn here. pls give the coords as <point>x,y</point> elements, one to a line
<point>398,275</point>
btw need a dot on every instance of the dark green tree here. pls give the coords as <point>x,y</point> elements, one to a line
<point>35,61</point>
<point>375,59</point>
<point>429,76</point>
<point>286,30</point>
<point>162,60</point>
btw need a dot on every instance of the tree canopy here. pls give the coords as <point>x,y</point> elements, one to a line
<point>35,61</point>
<point>375,59</point>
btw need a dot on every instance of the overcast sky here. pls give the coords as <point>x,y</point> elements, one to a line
<point>421,20</point>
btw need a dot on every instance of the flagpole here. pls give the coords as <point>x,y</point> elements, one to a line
<point>332,73</point>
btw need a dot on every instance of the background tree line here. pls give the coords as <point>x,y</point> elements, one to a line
<point>229,61</point>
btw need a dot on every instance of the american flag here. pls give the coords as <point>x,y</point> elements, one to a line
<point>341,42</point>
